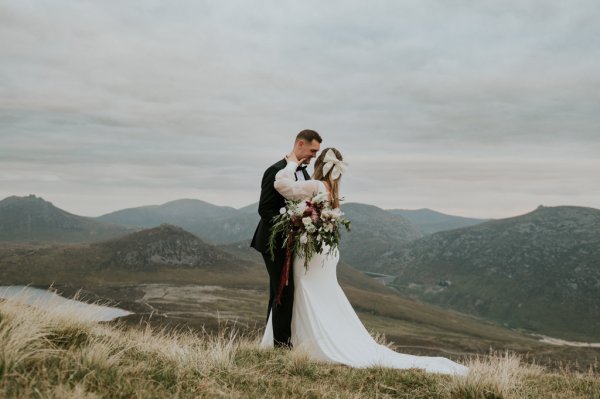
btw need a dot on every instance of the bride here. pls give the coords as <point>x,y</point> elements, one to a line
<point>324,324</point>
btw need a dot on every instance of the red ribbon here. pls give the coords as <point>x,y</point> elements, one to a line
<point>287,265</point>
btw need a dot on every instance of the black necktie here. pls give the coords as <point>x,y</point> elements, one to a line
<point>301,168</point>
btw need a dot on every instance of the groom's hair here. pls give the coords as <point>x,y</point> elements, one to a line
<point>308,136</point>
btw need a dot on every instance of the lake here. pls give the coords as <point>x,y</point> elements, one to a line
<point>49,300</point>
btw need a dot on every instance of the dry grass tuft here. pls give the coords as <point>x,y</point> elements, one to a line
<point>55,354</point>
<point>497,375</point>
<point>381,339</point>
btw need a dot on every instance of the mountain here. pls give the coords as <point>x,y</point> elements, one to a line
<point>162,254</point>
<point>215,224</point>
<point>539,271</point>
<point>251,209</point>
<point>163,247</point>
<point>374,233</point>
<point>32,218</point>
<point>428,221</point>
<point>179,212</point>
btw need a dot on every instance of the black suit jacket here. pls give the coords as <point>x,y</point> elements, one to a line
<point>268,207</point>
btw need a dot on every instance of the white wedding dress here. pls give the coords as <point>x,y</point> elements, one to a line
<point>325,325</point>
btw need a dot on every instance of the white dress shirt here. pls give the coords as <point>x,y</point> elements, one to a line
<point>291,189</point>
<point>300,175</point>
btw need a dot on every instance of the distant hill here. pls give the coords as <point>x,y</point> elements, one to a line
<point>215,224</point>
<point>428,221</point>
<point>251,209</point>
<point>374,233</point>
<point>162,254</point>
<point>539,271</point>
<point>164,246</point>
<point>181,211</point>
<point>33,219</point>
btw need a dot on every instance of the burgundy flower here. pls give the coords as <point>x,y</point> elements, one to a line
<point>314,216</point>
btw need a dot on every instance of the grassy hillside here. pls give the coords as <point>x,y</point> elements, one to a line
<point>53,354</point>
<point>374,232</point>
<point>539,271</point>
<point>170,277</point>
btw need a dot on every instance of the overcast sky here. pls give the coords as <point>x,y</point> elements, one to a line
<point>475,108</point>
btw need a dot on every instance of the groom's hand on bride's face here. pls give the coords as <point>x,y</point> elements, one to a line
<point>291,157</point>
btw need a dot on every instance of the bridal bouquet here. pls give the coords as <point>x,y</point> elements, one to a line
<point>308,226</point>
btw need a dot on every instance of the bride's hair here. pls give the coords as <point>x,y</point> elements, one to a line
<point>334,185</point>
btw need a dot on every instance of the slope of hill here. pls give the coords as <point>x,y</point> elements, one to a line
<point>251,209</point>
<point>178,212</point>
<point>165,253</point>
<point>53,354</point>
<point>166,275</point>
<point>539,271</point>
<point>374,233</point>
<point>215,224</point>
<point>32,219</point>
<point>428,221</point>
<point>164,246</point>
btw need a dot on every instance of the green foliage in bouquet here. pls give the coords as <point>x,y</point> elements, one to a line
<point>308,226</point>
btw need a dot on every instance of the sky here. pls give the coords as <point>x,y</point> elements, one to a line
<point>474,108</point>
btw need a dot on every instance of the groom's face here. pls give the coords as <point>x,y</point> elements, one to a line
<point>308,150</point>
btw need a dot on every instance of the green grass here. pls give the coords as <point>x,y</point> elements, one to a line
<point>52,354</point>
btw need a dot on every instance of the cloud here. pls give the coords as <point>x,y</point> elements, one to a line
<point>199,97</point>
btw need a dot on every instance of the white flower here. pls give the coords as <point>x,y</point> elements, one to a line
<point>300,208</point>
<point>307,221</point>
<point>336,213</point>
<point>282,211</point>
<point>320,198</point>
<point>303,238</point>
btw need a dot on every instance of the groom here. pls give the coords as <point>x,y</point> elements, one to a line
<point>306,147</point>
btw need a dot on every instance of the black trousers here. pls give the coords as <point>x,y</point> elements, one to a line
<point>282,314</point>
